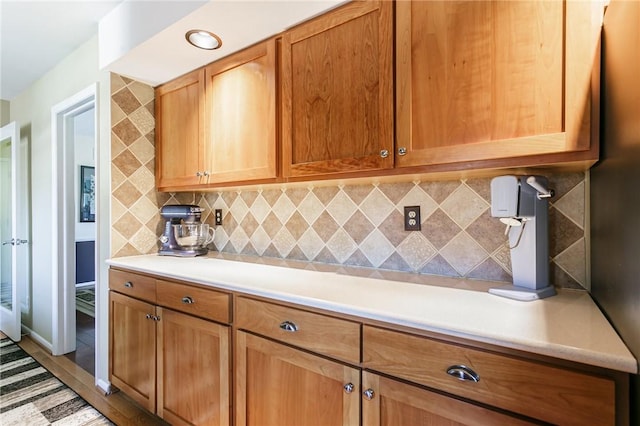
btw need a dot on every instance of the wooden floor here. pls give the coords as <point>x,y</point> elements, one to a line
<point>117,407</point>
<point>85,353</point>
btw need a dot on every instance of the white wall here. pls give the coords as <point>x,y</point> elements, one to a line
<point>32,109</point>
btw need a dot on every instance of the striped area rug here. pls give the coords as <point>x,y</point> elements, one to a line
<point>31,395</point>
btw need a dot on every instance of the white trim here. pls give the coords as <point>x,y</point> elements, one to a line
<point>104,386</point>
<point>63,219</point>
<point>10,319</point>
<point>37,338</point>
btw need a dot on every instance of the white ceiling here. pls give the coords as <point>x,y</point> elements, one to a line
<point>37,35</point>
<point>166,55</point>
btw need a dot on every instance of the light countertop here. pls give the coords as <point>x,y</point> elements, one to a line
<point>567,326</point>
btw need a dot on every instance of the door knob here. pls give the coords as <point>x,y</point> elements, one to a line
<point>369,394</point>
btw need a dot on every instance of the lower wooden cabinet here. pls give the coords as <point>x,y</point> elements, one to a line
<point>193,370</point>
<point>388,402</point>
<point>173,364</point>
<point>132,343</point>
<point>170,351</point>
<point>537,390</point>
<point>278,385</point>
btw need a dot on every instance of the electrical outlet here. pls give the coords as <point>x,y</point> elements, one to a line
<point>218,216</point>
<point>412,218</point>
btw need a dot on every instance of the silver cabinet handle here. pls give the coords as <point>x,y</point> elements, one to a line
<point>206,173</point>
<point>369,394</point>
<point>289,326</point>
<point>348,388</point>
<point>128,284</point>
<point>402,151</point>
<point>19,241</point>
<point>464,373</point>
<point>384,153</point>
<point>187,300</point>
<point>11,241</point>
<point>198,174</point>
<point>152,317</point>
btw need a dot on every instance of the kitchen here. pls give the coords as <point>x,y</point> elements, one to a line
<point>368,243</point>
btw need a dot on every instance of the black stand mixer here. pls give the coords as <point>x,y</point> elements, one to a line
<point>181,214</point>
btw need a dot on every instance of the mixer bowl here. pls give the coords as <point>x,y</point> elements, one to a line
<point>191,235</point>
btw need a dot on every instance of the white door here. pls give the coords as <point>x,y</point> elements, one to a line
<point>13,244</point>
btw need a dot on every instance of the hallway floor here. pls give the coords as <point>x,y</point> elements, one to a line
<point>85,352</point>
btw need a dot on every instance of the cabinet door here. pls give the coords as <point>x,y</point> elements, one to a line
<point>337,100</point>
<point>240,118</point>
<point>180,131</point>
<point>193,370</point>
<point>132,346</point>
<point>486,80</point>
<point>387,402</point>
<point>278,385</point>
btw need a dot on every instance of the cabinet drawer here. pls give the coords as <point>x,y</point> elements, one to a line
<point>538,390</point>
<point>316,332</point>
<point>201,302</point>
<point>134,285</point>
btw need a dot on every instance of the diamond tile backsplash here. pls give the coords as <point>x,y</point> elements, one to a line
<point>358,225</point>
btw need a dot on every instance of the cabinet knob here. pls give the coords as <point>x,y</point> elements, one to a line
<point>198,174</point>
<point>464,373</point>
<point>402,151</point>
<point>289,326</point>
<point>384,153</point>
<point>206,173</point>
<point>187,300</point>
<point>369,394</point>
<point>128,284</point>
<point>148,316</point>
<point>348,388</point>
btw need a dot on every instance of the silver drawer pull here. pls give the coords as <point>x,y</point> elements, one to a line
<point>369,394</point>
<point>187,300</point>
<point>128,284</point>
<point>348,388</point>
<point>464,373</point>
<point>289,326</point>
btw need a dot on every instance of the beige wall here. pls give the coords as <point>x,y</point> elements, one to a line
<point>5,117</point>
<point>32,110</point>
<point>360,225</point>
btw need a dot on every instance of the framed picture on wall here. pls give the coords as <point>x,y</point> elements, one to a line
<point>87,194</point>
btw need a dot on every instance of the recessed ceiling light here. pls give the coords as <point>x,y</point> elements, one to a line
<point>203,39</point>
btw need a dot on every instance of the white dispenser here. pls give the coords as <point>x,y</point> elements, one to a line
<point>521,202</point>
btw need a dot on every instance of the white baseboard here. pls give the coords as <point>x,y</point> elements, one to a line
<point>37,338</point>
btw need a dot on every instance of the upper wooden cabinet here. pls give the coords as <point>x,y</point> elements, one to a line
<point>337,92</point>
<point>240,122</point>
<point>180,131</point>
<point>218,124</point>
<point>496,80</point>
<point>477,85</point>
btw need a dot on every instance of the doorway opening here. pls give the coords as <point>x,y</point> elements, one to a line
<point>74,129</point>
